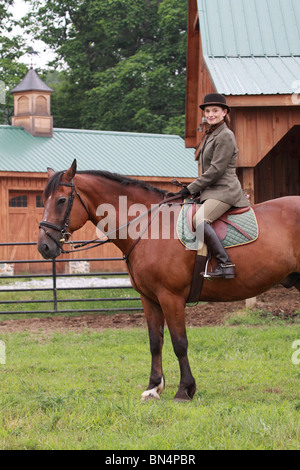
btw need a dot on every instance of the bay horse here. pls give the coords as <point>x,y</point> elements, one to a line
<point>161,269</point>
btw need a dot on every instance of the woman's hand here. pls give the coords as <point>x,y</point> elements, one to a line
<point>183,193</point>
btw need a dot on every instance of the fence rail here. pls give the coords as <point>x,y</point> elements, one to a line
<point>55,301</point>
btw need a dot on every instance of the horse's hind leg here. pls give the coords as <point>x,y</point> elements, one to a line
<point>174,311</point>
<point>292,280</point>
<point>155,321</point>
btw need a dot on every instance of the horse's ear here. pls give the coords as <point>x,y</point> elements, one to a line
<point>71,172</point>
<point>51,172</point>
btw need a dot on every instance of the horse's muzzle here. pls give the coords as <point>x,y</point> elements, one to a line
<point>48,248</point>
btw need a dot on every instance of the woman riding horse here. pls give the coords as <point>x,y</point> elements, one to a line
<point>71,198</point>
<point>218,184</point>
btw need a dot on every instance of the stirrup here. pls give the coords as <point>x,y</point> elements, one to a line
<point>206,274</point>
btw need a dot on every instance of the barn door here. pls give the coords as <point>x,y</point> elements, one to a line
<point>25,211</point>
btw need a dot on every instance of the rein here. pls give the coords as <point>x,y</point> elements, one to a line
<point>63,229</point>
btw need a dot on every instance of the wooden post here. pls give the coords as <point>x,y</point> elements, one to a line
<point>250,302</point>
<point>248,183</point>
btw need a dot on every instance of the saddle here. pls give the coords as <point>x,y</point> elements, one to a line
<point>221,225</point>
<point>227,220</point>
<point>236,227</point>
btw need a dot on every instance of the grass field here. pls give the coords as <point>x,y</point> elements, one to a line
<point>82,391</point>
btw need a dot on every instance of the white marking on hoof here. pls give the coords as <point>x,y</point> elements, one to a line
<point>148,394</point>
<point>154,392</point>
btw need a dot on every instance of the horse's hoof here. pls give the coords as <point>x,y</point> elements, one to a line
<point>154,392</point>
<point>184,395</point>
<point>182,400</point>
<point>150,394</point>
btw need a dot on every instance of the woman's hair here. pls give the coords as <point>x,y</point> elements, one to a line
<point>227,120</point>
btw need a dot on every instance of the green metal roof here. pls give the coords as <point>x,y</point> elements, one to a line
<point>251,46</point>
<point>255,75</point>
<point>119,152</point>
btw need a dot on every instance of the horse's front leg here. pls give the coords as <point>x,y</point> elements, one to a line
<point>174,312</point>
<point>155,322</point>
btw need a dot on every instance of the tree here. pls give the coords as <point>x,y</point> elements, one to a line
<point>4,13</point>
<point>64,104</point>
<point>125,61</point>
<point>11,49</point>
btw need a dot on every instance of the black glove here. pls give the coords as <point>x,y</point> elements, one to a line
<point>183,193</point>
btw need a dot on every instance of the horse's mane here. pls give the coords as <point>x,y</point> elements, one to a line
<point>55,180</point>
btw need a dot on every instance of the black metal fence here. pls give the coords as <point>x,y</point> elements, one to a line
<point>55,302</point>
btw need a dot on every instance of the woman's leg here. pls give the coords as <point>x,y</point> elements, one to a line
<point>210,211</point>
<point>213,209</point>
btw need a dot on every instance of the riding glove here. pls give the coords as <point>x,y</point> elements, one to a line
<point>183,193</point>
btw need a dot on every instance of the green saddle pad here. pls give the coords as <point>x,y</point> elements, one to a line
<point>246,221</point>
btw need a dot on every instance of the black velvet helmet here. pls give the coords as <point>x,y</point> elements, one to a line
<point>214,99</point>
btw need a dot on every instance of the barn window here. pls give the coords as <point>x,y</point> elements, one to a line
<point>39,201</point>
<point>18,201</point>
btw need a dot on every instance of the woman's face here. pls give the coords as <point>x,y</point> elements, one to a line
<point>214,114</point>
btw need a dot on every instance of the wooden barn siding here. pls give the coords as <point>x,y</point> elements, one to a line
<point>198,82</point>
<point>21,225</point>
<point>192,79</point>
<point>258,130</point>
<point>278,174</point>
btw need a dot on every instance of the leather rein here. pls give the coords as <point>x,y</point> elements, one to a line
<point>63,229</point>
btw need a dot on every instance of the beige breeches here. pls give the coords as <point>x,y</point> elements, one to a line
<point>210,211</point>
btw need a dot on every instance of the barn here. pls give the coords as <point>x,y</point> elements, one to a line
<point>250,52</point>
<point>31,144</point>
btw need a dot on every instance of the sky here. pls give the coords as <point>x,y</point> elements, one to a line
<point>19,9</point>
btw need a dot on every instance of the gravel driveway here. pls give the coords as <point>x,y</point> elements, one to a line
<point>72,282</point>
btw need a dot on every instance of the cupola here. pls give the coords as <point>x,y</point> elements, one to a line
<point>32,105</point>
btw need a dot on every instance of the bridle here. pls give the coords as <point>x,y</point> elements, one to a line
<point>63,229</point>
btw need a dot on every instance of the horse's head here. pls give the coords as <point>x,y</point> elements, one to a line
<point>64,213</point>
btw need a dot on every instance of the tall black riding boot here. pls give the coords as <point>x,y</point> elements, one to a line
<point>224,268</point>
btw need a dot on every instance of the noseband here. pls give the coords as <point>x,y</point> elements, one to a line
<point>63,229</point>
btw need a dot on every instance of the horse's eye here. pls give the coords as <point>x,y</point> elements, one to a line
<point>61,201</point>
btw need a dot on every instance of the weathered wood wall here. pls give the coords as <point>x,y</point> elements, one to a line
<point>278,174</point>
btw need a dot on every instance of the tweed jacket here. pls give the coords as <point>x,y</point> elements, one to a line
<point>218,178</point>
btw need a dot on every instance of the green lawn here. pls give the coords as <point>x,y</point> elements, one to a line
<point>82,391</point>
